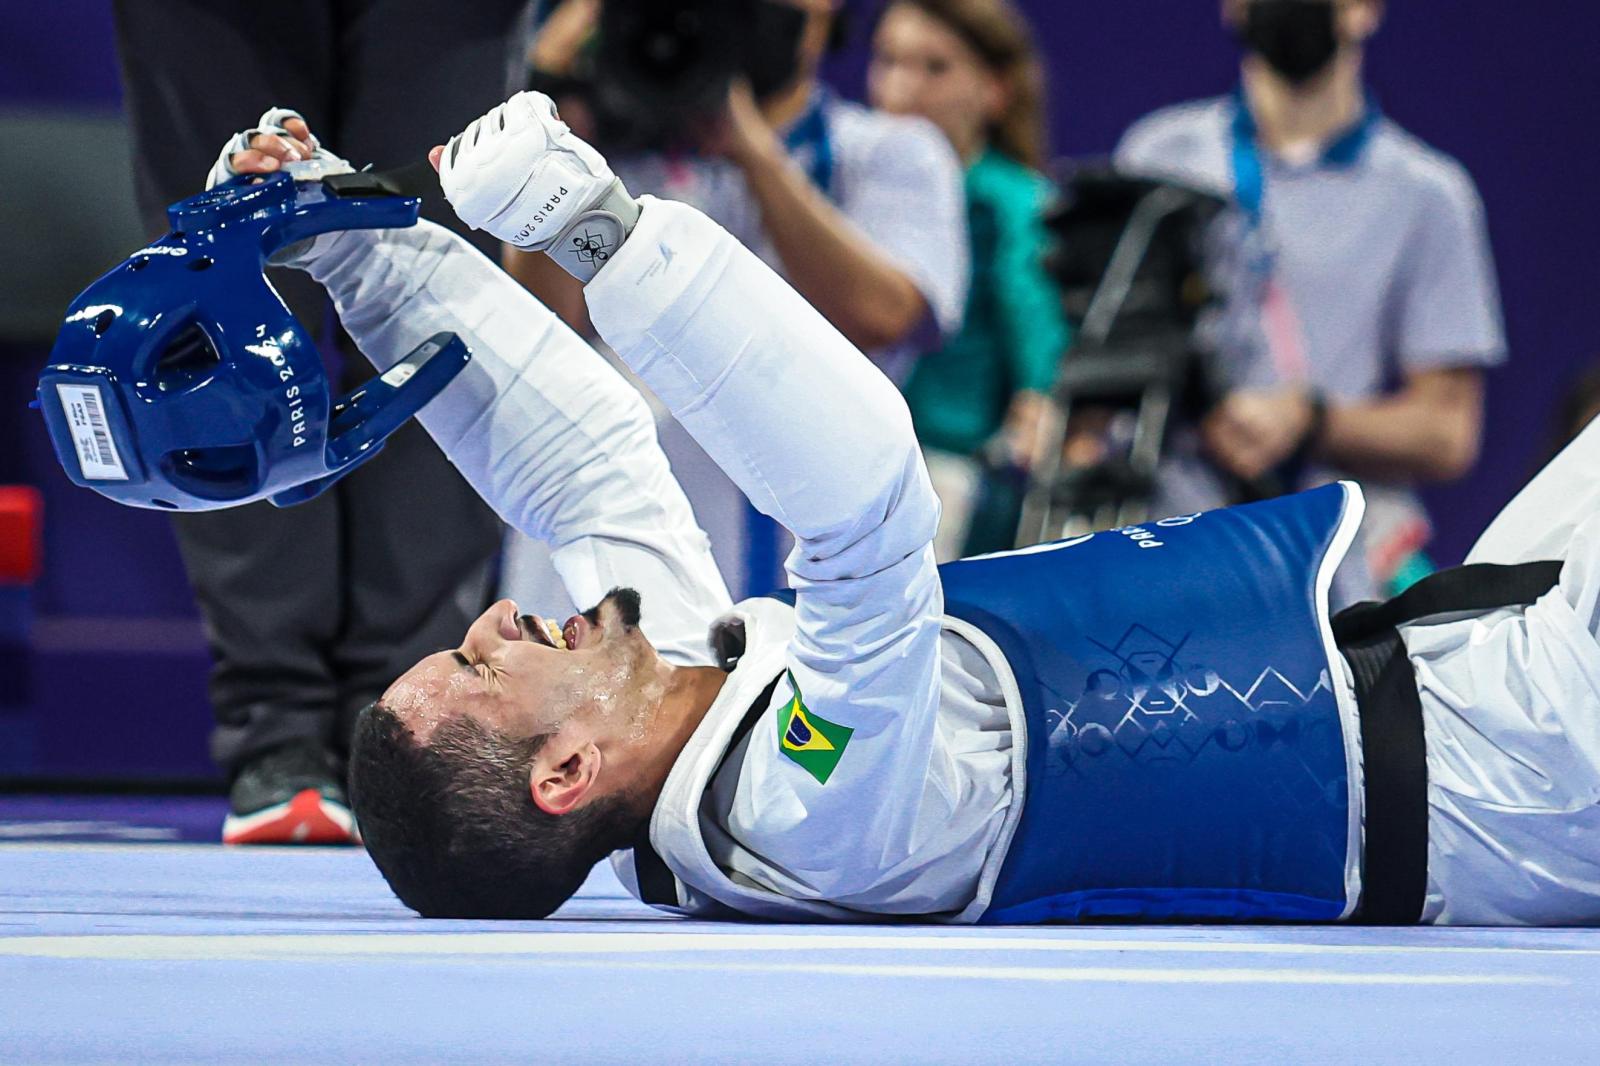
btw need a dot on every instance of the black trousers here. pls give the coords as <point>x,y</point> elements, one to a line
<point>312,611</point>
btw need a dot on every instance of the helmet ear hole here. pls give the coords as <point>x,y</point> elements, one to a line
<point>226,472</point>
<point>189,359</point>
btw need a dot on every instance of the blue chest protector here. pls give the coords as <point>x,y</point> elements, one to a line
<point>1187,757</point>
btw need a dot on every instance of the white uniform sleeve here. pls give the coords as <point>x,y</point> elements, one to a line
<point>1541,521</point>
<point>818,439</point>
<point>545,430</point>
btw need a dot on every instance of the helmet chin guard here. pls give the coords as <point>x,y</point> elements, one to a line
<point>181,381</point>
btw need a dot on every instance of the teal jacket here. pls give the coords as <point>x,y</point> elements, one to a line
<point>1013,334</point>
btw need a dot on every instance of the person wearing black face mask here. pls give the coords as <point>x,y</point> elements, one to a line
<point>1357,259</point>
<point>861,211</point>
<point>1298,39</point>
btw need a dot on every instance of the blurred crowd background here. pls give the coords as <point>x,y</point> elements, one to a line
<point>1125,260</point>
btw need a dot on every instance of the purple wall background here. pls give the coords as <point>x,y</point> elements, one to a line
<point>1509,92</point>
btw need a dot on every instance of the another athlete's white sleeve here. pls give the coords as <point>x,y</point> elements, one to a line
<point>545,430</point>
<point>820,440</point>
<point>1541,521</point>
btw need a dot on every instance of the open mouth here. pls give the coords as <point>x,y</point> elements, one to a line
<point>544,631</point>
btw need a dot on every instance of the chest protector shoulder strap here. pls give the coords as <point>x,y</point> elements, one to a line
<point>1190,755</point>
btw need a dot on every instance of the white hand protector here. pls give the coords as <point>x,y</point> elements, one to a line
<point>521,174</point>
<point>321,164</point>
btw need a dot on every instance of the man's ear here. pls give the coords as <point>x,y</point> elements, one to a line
<point>563,774</point>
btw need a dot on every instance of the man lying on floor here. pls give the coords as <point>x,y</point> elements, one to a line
<point>1157,722</point>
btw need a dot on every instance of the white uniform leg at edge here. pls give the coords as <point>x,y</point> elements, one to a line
<point>1541,520</point>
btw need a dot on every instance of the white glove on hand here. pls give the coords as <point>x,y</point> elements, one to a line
<point>521,174</point>
<point>321,164</point>
<point>271,123</point>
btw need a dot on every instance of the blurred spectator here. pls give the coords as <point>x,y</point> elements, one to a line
<point>312,611</point>
<point>970,67</point>
<point>861,211</point>
<point>1362,305</point>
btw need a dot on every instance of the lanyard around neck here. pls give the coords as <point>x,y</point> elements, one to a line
<point>1249,172</point>
<point>809,143</point>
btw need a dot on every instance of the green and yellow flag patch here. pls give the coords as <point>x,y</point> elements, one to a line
<point>809,740</point>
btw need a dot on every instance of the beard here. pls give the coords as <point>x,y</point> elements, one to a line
<point>627,603</point>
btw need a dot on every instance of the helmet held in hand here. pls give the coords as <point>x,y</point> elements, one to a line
<point>181,381</point>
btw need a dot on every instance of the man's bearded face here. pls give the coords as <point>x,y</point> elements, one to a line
<point>524,675</point>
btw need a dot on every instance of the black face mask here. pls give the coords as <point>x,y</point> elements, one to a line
<point>772,56</point>
<point>1297,38</point>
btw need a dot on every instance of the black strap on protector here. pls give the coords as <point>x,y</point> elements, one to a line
<point>656,882</point>
<point>1395,866</point>
<point>413,179</point>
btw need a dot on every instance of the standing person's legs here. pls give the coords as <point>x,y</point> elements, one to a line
<point>267,580</point>
<point>419,558</point>
<point>194,73</point>
<point>421,545</point>
<point>413,73</point>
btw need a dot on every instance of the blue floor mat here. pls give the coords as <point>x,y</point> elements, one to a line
<point>111,819</point>
<point>174,953</point>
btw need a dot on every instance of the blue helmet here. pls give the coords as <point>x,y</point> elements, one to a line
<point>180,380</point>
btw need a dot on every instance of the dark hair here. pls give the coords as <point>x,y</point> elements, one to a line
<point>453,827</point>
<point>997,31</point>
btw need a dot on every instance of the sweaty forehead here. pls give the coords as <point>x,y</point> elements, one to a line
<point>432,692</point>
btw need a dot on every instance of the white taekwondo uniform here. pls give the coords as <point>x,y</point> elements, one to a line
<point>915,815</point>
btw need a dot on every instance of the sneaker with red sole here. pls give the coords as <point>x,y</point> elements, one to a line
<point>289,795</point>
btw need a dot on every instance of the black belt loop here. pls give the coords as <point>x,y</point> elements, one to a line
<point>657,884</point>
<point>1393,742</point>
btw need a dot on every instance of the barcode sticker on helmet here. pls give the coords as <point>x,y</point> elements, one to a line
<point>91,433</point>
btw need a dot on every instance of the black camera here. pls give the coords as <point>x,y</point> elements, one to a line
<point>1129,261</point>
<point>659,70</point>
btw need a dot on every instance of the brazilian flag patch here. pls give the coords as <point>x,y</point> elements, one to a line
<point>808,739</point>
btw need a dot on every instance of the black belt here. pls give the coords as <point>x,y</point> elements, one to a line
<point>1394,754</point>
<point>656,882</point>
